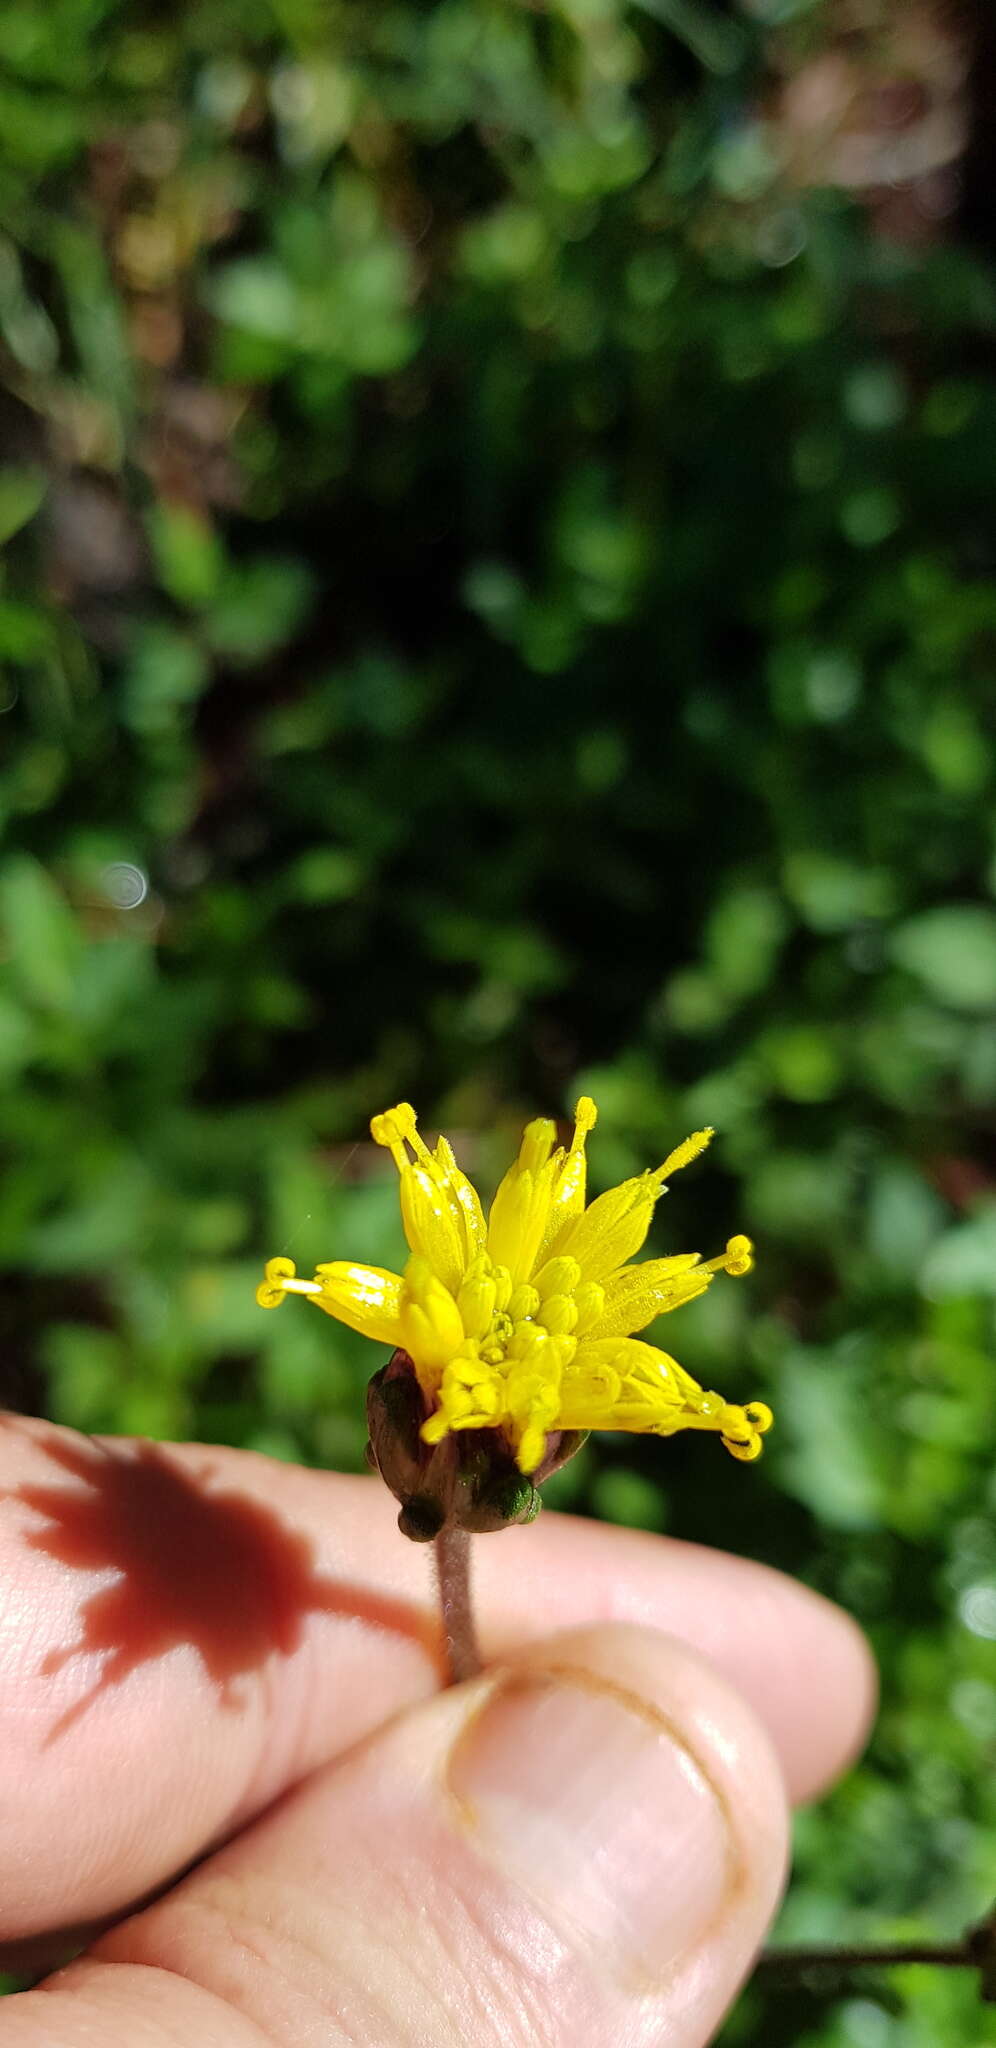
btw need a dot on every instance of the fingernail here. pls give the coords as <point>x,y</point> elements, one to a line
<point>589,1798</point>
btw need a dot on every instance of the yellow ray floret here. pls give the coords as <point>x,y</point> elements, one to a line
<point>524,1322</point>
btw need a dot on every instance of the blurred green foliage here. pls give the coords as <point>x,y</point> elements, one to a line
<point>496,598</point>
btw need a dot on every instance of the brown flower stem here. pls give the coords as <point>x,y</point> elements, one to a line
<point>463,1658</point>
<point>787,1964</point>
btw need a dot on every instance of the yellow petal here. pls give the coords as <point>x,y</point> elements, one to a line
<point>476,1299</point>
<point>612,1228</point>
<point>531,1446</point>
<point>433,1224</point>
<point>509,1217</point>
<point>441,1212</point>
<point>470,1396</point>
<point>466,1199</point>
<point>624,1384</point>
<point>431,1328</point>
<point>636,1294</point>
<point>537,1144</point>
<point>620,1383</point>
<point>519,1213</point>
<point>532,1401</point>
<point>570,1177</point>
<point>365,1298</point>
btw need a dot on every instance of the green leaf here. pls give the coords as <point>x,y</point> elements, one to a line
<point>258,607</point>
<point>45,943</point>
<point>830,1453</point>
<point>953,952</point>
<point>22,492</point>
<point>189,555</point>
<point>963,1261</point>
<point>167,672</point>
<point>88,1367</point>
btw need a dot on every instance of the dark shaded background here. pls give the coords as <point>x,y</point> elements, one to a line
<point>498,599</point>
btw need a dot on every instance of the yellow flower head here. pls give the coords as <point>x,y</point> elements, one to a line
<point>524,1322</point>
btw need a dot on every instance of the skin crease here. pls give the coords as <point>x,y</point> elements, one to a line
<point>148,1715</point>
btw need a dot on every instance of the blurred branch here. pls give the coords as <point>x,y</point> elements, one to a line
<point>975,1951</point>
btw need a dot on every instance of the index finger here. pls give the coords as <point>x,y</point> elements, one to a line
<point>185,1632</point>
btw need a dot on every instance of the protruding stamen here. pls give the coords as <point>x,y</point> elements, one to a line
<point>737,1259</point>
<point>585,1119</point>
<point>743,1428</point>
<point>684,1153</point>
<point>280,1281</point>
<point>759,1416</point>
<point>393,1128</point>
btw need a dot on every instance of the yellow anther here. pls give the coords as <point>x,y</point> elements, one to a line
<point>585,1117</point>
<point>684,1153</point>
<point>738,1258</point>
<point>395,1128</point>
<point>759,1416</point>
<point>280,1281</point>
<point>393,1125</point>
<point>273,1290</point>
<point>743,1428</point>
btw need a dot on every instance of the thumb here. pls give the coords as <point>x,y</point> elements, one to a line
<point>586,1844</point>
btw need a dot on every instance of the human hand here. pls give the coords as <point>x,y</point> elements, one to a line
<point>585,1845</point>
